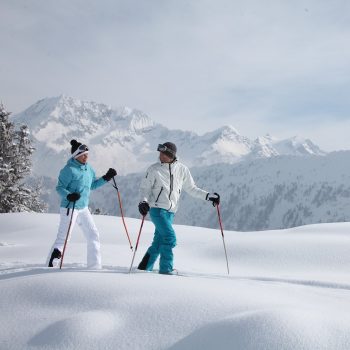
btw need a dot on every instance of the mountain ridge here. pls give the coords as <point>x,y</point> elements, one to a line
<point>265,183</point>
<point>127,138</point>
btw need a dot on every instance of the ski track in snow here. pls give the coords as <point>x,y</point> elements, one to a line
<point>4,244</point>
<point>31,270</point>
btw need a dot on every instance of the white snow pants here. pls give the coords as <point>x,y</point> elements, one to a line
<point>84,219</point>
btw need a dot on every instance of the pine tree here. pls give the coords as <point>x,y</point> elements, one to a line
<point>15,164</point>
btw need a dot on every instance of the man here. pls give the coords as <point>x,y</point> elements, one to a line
<point>161,189</point>
<point>75,181</point>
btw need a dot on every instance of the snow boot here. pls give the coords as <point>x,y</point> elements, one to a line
<point>143,264</point>
<point>56,254</point>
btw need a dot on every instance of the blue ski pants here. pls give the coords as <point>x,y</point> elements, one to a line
<point>164,240</point>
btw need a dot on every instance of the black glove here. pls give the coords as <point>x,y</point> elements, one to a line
<point>109,174</point>
<point>143,208</point>
<point>213,197</point>
<point>73,197</point>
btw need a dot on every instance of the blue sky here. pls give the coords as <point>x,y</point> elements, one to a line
<point>273,66</point>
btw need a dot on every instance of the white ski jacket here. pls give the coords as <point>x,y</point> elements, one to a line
<point>163,183</point>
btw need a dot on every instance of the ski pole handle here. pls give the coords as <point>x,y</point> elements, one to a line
<point>115,183</point>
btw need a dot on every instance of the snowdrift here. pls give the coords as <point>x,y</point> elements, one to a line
<point>287,289</point>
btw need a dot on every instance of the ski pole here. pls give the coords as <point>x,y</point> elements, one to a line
<point>137,242</point>
<point>223,239</point>
<point>67,235</point>
<point>121,212</point>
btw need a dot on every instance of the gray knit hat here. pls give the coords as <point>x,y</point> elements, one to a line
<point>168,148</point>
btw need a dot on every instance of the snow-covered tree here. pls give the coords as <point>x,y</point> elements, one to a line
<point>15,164</point>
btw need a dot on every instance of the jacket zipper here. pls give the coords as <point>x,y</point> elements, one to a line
<point>171,186</point>
<point>171,181</point>
<point>159,195</point>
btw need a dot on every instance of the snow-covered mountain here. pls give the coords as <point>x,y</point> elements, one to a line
<point>272,193</point>
<point>126,138</point>
<point>265,183</point>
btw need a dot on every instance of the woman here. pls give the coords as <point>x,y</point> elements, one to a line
<point>75,181</point>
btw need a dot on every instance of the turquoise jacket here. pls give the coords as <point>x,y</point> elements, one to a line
<point>77,177</point>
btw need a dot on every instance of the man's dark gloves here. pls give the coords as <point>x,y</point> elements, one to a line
<point>109,174</point>
<point>214,198</point>
<point>73,197</point>
<point>143,208</point>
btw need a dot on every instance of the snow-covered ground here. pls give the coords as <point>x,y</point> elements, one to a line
<point>287,289</point>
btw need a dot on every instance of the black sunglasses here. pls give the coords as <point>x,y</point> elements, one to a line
<point>163,148</point>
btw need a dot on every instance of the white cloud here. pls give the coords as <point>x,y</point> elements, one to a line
<point>188,64</point>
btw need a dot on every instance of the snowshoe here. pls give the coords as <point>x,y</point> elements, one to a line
<point>56,254</point>
<point>174,272</point>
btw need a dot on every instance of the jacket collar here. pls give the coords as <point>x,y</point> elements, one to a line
<point>167,164</point>
<point>76,163</point>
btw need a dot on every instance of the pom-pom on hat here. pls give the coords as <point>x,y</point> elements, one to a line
<point>78,149</point>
